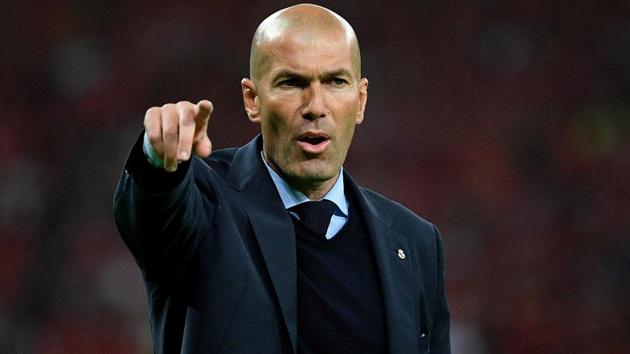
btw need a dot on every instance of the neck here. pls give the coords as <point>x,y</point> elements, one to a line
<point>314,190</point>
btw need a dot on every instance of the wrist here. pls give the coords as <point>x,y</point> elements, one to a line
<point>152,156</point>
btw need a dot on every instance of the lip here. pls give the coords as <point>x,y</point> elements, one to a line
<point>309,147</point>
<point>314,149</point>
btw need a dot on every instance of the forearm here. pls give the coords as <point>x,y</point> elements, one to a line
<point>159,214</point>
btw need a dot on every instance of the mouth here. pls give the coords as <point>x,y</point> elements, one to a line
<point>313,142</point>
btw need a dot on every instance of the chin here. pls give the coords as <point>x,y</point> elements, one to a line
<point>313,170</point>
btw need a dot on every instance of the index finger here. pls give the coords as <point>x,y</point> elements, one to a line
<point>203,110</point>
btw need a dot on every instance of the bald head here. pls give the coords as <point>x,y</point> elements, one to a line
<point>304,23</point>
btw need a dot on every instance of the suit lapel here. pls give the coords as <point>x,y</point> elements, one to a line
<point>272,226</point>
<point>394,264</point>
<point>276,237</point>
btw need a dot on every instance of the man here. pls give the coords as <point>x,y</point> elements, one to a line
<point>272,247</point>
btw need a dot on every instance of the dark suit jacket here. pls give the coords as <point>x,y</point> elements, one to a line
<point>218,256</point>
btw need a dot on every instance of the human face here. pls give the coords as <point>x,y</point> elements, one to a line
<point>308,99</point>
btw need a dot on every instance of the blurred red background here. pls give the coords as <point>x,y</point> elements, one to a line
<point>506,123</point>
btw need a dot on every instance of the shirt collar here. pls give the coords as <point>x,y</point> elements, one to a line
<point>292,197</point>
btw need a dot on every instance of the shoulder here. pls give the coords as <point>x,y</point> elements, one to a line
<point>420,233</point>
<point>400,217</point>
<point>219,162</point>
<point>235,165</point>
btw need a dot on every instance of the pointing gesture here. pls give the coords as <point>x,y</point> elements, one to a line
<point>177,131</point>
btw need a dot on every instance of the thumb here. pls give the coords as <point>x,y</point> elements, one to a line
<point>203,147</point>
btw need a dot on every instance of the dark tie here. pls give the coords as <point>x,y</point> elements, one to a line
<point>316,215</point>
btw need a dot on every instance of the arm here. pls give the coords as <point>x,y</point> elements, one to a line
<point>159,211</point>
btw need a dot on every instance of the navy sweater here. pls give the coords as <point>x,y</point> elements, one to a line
<point>340,307</point>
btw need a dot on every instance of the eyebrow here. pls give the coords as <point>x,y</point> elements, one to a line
<point>325,75</point>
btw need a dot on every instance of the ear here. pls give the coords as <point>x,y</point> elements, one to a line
<point>250,100</point>
<point>363,86</point>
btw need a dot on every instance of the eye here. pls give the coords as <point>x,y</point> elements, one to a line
<point>292,82</point>
<point>337,81</point>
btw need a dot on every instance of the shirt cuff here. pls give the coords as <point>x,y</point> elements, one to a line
<point>149,179</point>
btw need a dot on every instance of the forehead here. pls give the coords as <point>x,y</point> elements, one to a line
<point>308,53</point>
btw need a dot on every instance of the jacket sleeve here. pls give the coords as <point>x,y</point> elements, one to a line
<point>161,216</point>
<point>440,338</point>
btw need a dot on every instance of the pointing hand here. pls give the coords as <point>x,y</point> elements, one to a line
<point>177,131</point>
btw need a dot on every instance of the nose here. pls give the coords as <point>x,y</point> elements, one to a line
<point>314,102</point>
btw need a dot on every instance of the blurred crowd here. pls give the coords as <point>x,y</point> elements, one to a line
<point>506,123</point>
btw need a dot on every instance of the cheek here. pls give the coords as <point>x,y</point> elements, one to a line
<point>281,107</point>
<point>346,113</point>
<point>276,127</point>
<point>344,102</point>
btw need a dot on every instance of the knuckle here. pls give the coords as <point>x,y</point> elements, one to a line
<point>154,136</point>
<point>152,111</point>
<point>168,110</point>
<point>187,115</point>
<point>184,104</point>
<point>186,112</point>
<point>169,120</point>
<point>151,115</point>
<point>169,132</point>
